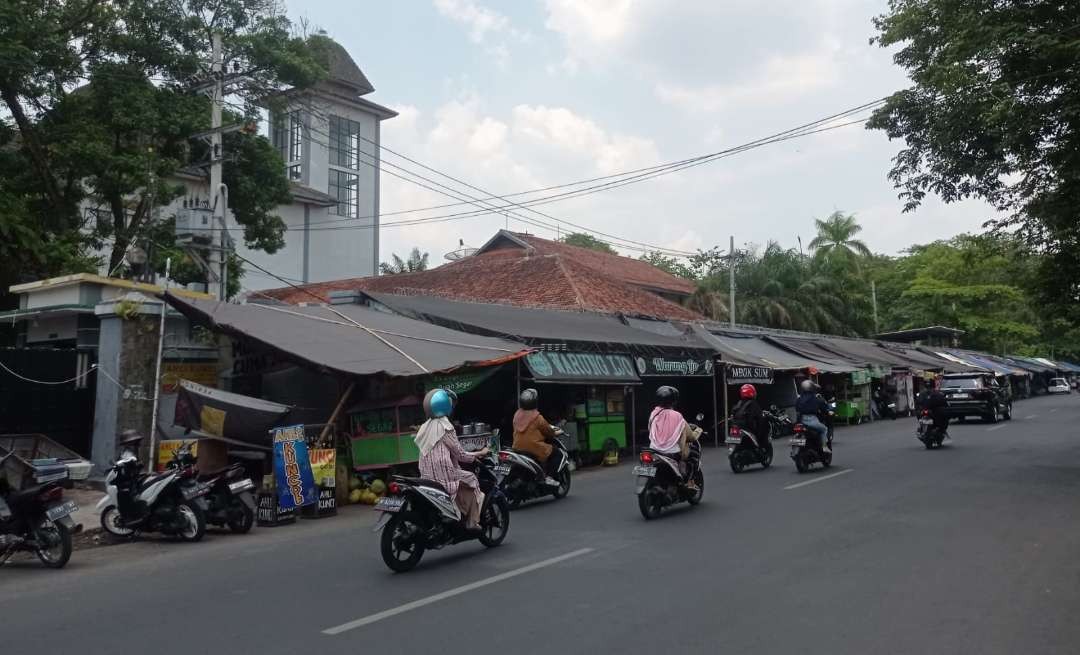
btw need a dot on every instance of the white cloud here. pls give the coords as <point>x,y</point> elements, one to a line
<point>597,21</point>
<point>480,20</point>
<point>782,78</point>
<point>560,128</point>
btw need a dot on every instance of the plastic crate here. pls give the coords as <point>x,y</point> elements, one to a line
<point>21,473</point>
<point>38,447</point>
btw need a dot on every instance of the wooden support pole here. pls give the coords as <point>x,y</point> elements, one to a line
<point>337,411</point>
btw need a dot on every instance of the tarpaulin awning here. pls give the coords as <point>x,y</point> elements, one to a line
<point>740,348</point>
<point>225,414</point>
<point>581,368</point>
<point>987,362</point>
<point>351,339</point>
<point>1029,365</point>
<point>533,325</point>
<point>808,348</point>
<point>956,358</point>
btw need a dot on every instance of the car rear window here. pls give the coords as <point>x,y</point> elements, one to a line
<point>1059,382</point>
<point>962,383</point>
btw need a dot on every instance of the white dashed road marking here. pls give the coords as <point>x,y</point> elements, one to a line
<point>816,480</point>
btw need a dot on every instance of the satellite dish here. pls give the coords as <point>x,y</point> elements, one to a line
<point>462,251</point>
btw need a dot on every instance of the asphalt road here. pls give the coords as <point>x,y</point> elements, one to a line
<point>969,549</point>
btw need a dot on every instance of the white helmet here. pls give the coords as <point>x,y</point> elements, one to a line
<point>808,385</point>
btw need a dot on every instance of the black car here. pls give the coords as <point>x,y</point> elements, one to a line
<point>977,394</point>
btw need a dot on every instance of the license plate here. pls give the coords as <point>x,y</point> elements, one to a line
<point>798,441</point>
<point>196,491</point>
<point>961,395</point>
<point>241,485</point>
<point>645,471</point>
<point>502,469</point>
<point>57,512</point>
<point>926,421</point>
<point>388,504</point>
<point>475,443</point>
<point>733,441</point>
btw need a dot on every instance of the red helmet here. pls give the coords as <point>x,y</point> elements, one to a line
<point>747,391</point>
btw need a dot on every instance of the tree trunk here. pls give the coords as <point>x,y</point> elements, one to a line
<point>37,153</point>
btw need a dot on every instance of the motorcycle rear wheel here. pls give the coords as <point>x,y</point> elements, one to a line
<point>60,552</point>
<point>736,463</point>
<point>392,548</point>
<point>699,478</point>
<point>649,502</point>
<point>767,461</point>
<point>242,524</point>
<point>800,463</point>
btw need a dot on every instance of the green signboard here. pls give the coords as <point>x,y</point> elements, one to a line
<point>459,383</point>
<point>580,367</point>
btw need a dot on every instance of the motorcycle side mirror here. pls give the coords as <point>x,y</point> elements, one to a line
<point>700,417</point>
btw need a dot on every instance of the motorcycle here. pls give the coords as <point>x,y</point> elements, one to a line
<point>806,449</point>
<point>660,481</point>
<point>931,436</point>
<point>169,502</point>
<point>419,515</point>
<point>525,478</point>
<point>36,519</point>
<point>885,409</point>
<point>744,449</point>
<point>780,423</point>
<point>227,493</point>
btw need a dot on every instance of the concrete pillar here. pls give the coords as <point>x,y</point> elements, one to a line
<point>127,356</point>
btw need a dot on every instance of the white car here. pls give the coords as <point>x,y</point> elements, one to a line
<point>1058,385</point>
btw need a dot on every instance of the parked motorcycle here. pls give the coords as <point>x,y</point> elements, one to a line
<point>745,448</point>
<point>37,519</point>
<point>418,515</point>
<point>931,436</point>
<point>885,409</point>
<point>660,481</point>
<point>227,493</point>
<point>780,424</point>
<point>523,477</point>
<point>806,449</point>
<point>137,502</point>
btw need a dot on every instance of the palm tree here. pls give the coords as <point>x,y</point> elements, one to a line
<point>835,236</point>
<point>417,262</point>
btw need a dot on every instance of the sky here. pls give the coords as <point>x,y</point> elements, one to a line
<point>512,96</point>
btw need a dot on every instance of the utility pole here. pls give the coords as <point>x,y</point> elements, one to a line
<point>218,257</point>
<point>873,298</point>
<point>731,282</point>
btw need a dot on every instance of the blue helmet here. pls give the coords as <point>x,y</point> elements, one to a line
<point>438,403</point>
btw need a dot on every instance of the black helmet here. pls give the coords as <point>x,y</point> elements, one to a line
<point>528,399</point>
<point>129,438</point>
<point>667,396</point>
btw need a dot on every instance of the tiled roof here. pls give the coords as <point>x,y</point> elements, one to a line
<point>515,277</point>
<point>626,269</point>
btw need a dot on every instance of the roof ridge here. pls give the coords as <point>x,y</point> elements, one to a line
<point>570,279</point>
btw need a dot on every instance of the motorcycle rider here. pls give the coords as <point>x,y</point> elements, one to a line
<point>670,434</point>
<point>532,432</point>
<point>441,455</point>
<point>938,406</point>
<point>749,416</point>
<point>809,406</point>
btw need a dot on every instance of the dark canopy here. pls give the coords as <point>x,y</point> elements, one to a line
<point>535,326</point>
<point>745,348</point>
<point>351,339</point>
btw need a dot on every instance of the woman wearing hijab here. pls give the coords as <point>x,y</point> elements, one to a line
<point>441,455</point>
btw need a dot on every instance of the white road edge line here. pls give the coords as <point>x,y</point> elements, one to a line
<point>450,593</point>
<point>816,480</point>
<point>1031,416</point>
<point>997,427</point>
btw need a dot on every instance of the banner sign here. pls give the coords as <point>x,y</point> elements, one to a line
<point>673,367</point>
<point>324,466</point>
<point>292,468</point>
<point>581,367</point>
<point>225,414</point>
<point>459,383</point>
<point>749,374</point>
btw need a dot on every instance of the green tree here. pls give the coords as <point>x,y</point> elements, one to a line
<point>993,115</point>
<point>417,261</point>
<point>836,238</point>
<point>670,264</point>
<point>582,240</point>
<point>100,95</point>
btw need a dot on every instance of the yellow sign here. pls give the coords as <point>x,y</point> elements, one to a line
<point>204,373</point>
<point>323,465</point>
<point>167,450</point>
<point>212,421</point>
